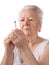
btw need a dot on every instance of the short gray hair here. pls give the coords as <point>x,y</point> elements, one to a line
<point>36,8</point>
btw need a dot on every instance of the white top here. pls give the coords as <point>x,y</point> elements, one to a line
<point>37,52</point>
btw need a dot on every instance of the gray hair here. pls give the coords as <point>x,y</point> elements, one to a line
<point>36,8</point>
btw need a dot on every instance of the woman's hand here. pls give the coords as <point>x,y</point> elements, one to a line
<point>15,38</point>
<point>9,46</point>
<point>18,38</point>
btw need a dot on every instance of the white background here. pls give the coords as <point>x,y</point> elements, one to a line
<point>9,11</point>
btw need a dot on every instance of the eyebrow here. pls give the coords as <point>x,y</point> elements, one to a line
<point>28,17</point>
<point>21,17</point>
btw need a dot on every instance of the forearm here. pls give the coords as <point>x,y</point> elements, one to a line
<point>28,57</point>
<point>7,59</point>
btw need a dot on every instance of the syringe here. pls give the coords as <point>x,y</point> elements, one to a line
<point>15,24</point>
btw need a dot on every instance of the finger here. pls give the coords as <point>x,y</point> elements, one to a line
<point>7,40</point>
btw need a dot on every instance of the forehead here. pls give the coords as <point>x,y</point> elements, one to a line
<point>28,13</point>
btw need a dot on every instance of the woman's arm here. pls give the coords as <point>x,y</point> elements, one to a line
<point>27,55</point>
<point>9,55</point>
<point>19,40</point>
<point>7,59</point>
<point>29,58</point>
<point>44,58</point>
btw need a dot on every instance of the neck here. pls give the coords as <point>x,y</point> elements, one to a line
<point>32,39</point>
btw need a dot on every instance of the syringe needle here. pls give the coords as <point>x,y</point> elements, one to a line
<point>15,24</point>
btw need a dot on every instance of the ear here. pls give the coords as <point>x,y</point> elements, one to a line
<point>40,24</point>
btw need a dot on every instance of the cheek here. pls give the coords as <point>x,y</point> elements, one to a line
<point>21,26</point>
<point>33,28</point>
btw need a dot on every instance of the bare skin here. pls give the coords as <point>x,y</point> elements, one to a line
<point>27,39</point>
<point>8,55</point>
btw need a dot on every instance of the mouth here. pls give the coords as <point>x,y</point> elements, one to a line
<point>26,27</point>
<point>26,30</point>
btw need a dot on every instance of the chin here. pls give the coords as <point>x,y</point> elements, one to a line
<point>27,33</point>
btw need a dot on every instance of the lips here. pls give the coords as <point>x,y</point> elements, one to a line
<point>26,27</point>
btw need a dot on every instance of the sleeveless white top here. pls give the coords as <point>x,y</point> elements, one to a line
<point>37,52</point>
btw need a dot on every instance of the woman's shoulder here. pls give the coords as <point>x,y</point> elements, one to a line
<point>47,46</point>
<point>44,44</point>
<point>44,57</point>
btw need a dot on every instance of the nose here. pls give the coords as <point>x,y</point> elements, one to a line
<point>26,22</point>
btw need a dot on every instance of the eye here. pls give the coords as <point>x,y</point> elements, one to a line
<point>30,19</point>
<point>21,20</point>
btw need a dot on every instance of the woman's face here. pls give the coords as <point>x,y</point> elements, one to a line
<point>29,22</point>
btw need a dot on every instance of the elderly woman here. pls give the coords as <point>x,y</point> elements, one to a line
<point>23,46</point>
